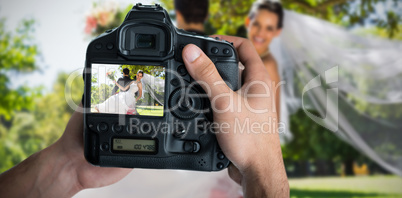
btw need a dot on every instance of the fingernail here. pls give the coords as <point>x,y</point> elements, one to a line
<point>192,52</point>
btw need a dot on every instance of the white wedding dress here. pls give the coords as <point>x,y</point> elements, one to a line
<point>119,103</point>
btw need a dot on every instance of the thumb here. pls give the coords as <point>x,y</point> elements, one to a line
<point>203,70</point>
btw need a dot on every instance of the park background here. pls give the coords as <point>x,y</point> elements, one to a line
<point>43,42</point>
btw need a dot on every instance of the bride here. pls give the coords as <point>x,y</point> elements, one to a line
<point>263,24</point>
<point>348,79</point>
<point>123,101</point>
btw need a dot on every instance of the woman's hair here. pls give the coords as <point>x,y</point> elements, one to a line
<point>140,72</point>
<point>269,5</point>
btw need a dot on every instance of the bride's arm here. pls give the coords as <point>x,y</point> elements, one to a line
<point>272,68</point>
<point>139,91</point>
<point>126,87</point>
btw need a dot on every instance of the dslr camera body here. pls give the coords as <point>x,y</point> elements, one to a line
<point>175,133</point>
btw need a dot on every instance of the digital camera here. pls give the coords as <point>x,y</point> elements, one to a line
<point>156,116</point>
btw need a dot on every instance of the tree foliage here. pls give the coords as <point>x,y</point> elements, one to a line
<point>18,54</point>
<point>32,130</point>
<point>30,121</point>
<point>227,17</point>
<point>99,93</point>
<point>349,12</point>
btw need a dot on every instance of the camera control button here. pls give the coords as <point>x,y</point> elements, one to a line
<point>186,103</point>
<point>182,70</point>
<point>226,51</point>
<point>91,125</point>
<point>175,82</point>
<point>191,147</point>
<point>220,166</point>
<point>105,146</point>
<point>221,156</point>
<point>102,127</point>
<point>196,147</point>
<point>98,46</point>
<point>117,128</point>
<point>214,50</point>
<point>188,146</point>
<point>109,46</point>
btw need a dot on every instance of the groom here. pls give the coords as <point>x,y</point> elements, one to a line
<point>123,81</point>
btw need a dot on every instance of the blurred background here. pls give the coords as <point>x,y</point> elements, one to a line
<point>43,42</point>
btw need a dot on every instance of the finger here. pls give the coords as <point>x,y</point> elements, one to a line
<point>234,173</point>
<point>254,67</point>
<point>203,70</point>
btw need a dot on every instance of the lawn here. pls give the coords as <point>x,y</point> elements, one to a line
<point>347,187</point>
<point>150,110</point>
<point>145,110</point>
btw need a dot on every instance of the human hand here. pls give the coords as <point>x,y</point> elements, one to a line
<point>71,145</point>
<point>60,170</point>
<point>254,150</point>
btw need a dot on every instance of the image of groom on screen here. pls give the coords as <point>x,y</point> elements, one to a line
<point>124,81</point>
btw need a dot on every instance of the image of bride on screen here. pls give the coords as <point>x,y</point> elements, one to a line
<point>125,100</point>
<point>141,96</point>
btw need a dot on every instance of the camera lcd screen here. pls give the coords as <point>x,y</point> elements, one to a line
<point>134,145</point>
<point>128,89</point>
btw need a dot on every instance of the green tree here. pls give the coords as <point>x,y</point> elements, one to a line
<point>18,53</point>
<point>153,70</point>
<point>319,145</point>
<point>227,17</point>
<point>32,130</point>
<point>99,93</point>
<point>346,12</point>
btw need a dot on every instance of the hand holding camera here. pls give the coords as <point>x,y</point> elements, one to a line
<point>174,128</point>
<point>256,158</point>
<point>254,152</point>
<point>61,169</point>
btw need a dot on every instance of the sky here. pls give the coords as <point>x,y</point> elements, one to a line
<point>59,33</point>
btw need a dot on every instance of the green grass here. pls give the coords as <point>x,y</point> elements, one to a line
<point>150,110</point>
<point>348,187</point>
<point>145,110</point>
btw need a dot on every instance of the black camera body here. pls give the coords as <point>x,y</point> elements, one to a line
<point>181,138</point>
